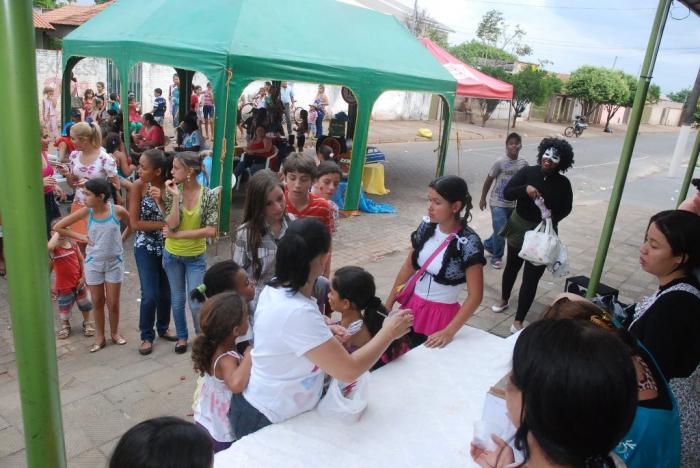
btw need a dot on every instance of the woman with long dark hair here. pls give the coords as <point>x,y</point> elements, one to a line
<point>264,223</point>
<point>294,347</point>
<point>572,395</point>
<point>445,254</point>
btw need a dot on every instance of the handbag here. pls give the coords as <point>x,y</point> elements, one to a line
<point>541,245</point>
<point>560,268</point>
<point>345,402</point>
<point>404,292</point>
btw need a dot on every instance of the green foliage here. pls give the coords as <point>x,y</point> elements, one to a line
<point>594,86</point>
<point>531,85</point>
<point>50,4</point>
<point>679,96</point>
<point>470,52</point>
<point>654,93</point>
<point>491,27</point>
<point>434,35</point>
<point>99,2</point>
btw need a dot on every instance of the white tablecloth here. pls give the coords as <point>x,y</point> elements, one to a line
<point>421,412</point>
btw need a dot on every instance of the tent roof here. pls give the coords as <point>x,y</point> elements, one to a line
<point>470,81</point>
<point>325,41</point>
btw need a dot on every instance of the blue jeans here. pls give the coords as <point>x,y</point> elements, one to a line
<point>155,294</point>
<point>184,274</point>
<point>319,123</point>
<point>244,417</point>
<point>496,244</point>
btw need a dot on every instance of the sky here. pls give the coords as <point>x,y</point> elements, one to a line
<point>571,33</point>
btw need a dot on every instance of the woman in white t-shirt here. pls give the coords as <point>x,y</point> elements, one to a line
<point>294,347</point>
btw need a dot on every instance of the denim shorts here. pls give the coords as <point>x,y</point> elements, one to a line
<point>208,112</point>
<point>104,270</point>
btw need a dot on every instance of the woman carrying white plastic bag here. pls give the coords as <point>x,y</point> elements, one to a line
<point>545,181</point>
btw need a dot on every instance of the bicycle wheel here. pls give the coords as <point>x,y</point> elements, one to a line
<point>297,114</point>
<point>246,112</point>
<point>569,132</point>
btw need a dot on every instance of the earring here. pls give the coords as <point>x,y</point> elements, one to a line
<point>188,177</point>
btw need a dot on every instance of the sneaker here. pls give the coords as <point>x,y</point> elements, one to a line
<point>496,263</point>
<point>498,308</point>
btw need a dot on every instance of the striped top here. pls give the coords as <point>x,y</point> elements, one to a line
<point>318,207</point>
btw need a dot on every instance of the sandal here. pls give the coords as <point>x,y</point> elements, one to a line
<point>64,332</point>
<point>98,346</point>
<point>118,340</point>
<point>146,348</point>
<point>88,329</point>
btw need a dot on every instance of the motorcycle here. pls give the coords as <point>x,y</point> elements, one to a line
<point>579,125</point>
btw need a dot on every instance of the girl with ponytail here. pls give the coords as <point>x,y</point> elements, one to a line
<point>353,295</point>
<point>446,253</point>
<point>88,161</point>
<point>223,318</point>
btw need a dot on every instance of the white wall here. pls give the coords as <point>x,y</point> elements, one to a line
<point>392,105</point>
<point>48,70</point>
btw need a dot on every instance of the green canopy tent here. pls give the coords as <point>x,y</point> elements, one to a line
<point>234,42</point>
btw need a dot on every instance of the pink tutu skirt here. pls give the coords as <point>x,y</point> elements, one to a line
<point>428,316</point>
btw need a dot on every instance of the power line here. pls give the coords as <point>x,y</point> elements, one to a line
<point>560,7</point>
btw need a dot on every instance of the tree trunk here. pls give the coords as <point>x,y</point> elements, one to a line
<point>612,110</point>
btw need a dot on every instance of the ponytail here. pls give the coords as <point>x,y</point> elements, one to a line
<point>305,239</point>
<point>217,279</point>
<point>96,136</point>
<point>91,132</point>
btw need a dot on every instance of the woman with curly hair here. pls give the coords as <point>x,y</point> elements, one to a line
<point>543,182</point>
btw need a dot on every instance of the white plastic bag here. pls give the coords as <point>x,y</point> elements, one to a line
<point>345,402</point>
<point>560,268</point>
<point>541,245</point>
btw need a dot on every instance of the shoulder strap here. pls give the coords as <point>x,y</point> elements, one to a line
<point>435,253</point>
<point>229,353</point>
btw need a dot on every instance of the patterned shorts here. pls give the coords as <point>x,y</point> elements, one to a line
<point>67,297</point>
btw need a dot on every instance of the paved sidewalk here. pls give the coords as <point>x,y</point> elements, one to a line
<point>105,393</point>
<point>397,131</point>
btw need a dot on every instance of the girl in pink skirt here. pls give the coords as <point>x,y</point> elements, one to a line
<point>446,253</point>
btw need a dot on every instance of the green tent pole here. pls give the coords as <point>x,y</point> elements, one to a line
<point>123,71</point>
<point>359,150</point>
<point>445,141</point>
<point>628,146</point>
<point>689,172</point>
<point>21,204</point>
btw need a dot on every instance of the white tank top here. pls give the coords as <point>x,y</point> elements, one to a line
<point>212,407</point>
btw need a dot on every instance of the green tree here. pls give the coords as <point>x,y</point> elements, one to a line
<point>623,88</point>
<point>491,27</point>
<point>99,2</point>
<point>470,53</point>
<point>593,86</point>
<point>50,4</point>
<point>487,106</point>
<point>494,31</point>
<point>654,94</point>
<point>531,85</point>
<point>679,96</point>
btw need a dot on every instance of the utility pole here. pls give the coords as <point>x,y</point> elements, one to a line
<point>415,17</point>
<point>689,107</point>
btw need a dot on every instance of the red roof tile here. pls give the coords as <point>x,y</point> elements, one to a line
<point>39,22</point>
<point>73,15</point>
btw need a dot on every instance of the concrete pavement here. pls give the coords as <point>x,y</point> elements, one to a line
<point>105,393</point>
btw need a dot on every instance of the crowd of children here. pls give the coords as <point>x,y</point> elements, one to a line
<point>257,305</point>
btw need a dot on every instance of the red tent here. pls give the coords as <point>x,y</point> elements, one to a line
<point>470,81</point>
